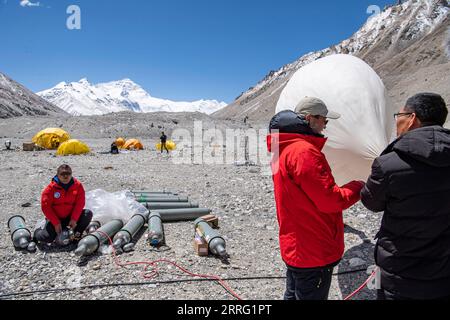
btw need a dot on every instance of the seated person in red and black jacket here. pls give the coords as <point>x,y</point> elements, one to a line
<point>63,204</point>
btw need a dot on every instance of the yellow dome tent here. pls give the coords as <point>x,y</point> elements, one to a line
<point>72,147</point>
<point>120,142</point>
<point>133,144</point>
<point>169,144</point>
<point>51,138</point>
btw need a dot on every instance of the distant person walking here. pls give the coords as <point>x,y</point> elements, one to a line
<point>309,202</point>
<point>63,204</point>
<point>410,182</point>
<point>164,143</point>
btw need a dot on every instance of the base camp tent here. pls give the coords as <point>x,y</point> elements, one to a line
<point>51,138</point>
<point>133,144</point>
<point>72,147</point>
<point>120,142</point>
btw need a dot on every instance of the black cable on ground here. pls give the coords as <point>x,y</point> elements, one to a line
<point>350,272</point>
<point>131,284</point>
<point>137,284</point>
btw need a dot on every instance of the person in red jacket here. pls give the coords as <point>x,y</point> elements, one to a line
<point>309,203</point>
<point>62,203</point>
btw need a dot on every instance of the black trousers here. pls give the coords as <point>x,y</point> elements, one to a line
<point>308,285</point>
<point>384,295</point>
<point>164,146</point>
<point>48,233</point>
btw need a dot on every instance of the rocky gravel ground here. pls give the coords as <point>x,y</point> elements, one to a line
<point>242,197</point>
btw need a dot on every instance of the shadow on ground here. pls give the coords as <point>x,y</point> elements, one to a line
<point>349,282</point>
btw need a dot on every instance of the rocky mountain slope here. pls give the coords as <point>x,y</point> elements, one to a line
<point>16,101</point>
<point>83,98</point>
<point>407,44</point>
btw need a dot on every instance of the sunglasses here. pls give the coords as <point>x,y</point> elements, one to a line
<point>65,174</point>
<point>318,117</point>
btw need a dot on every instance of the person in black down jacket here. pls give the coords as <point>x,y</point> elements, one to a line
<point>410,182</point>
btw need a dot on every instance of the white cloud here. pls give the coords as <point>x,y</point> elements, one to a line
<point>28,3</point>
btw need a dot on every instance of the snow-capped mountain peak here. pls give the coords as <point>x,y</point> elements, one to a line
<point>84,81</point>
<point>84,98</point>
<point>61,85</point>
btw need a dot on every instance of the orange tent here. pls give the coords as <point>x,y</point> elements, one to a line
<point>133,144</point>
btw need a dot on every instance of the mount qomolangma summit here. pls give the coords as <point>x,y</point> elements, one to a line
<point>83,98</point>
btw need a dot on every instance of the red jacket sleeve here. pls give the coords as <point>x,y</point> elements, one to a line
<point>80,202</point>
<point>311,171</point>
<point>46,205</point>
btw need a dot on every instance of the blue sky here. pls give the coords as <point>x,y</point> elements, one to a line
<point>175,49</point>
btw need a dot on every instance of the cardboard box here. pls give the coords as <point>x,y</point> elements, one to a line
<point>29,146</point>
<point>212,220</point>
<point>200,246</point>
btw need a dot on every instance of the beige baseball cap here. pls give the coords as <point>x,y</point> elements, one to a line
<point>315,107</point>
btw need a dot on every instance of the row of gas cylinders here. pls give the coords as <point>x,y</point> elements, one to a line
<point>163,207</point>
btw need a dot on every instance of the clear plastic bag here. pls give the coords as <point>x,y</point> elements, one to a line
<point>109,206</point>
<point>40,225</point>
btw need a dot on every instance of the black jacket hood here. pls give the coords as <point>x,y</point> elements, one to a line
<point>290,122</point>
<point>430,145</point>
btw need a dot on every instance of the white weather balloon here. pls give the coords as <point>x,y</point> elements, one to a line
<point>352,88</point>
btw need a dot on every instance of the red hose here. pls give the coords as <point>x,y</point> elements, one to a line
<point>154,272</point>
<point>362,286</point>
